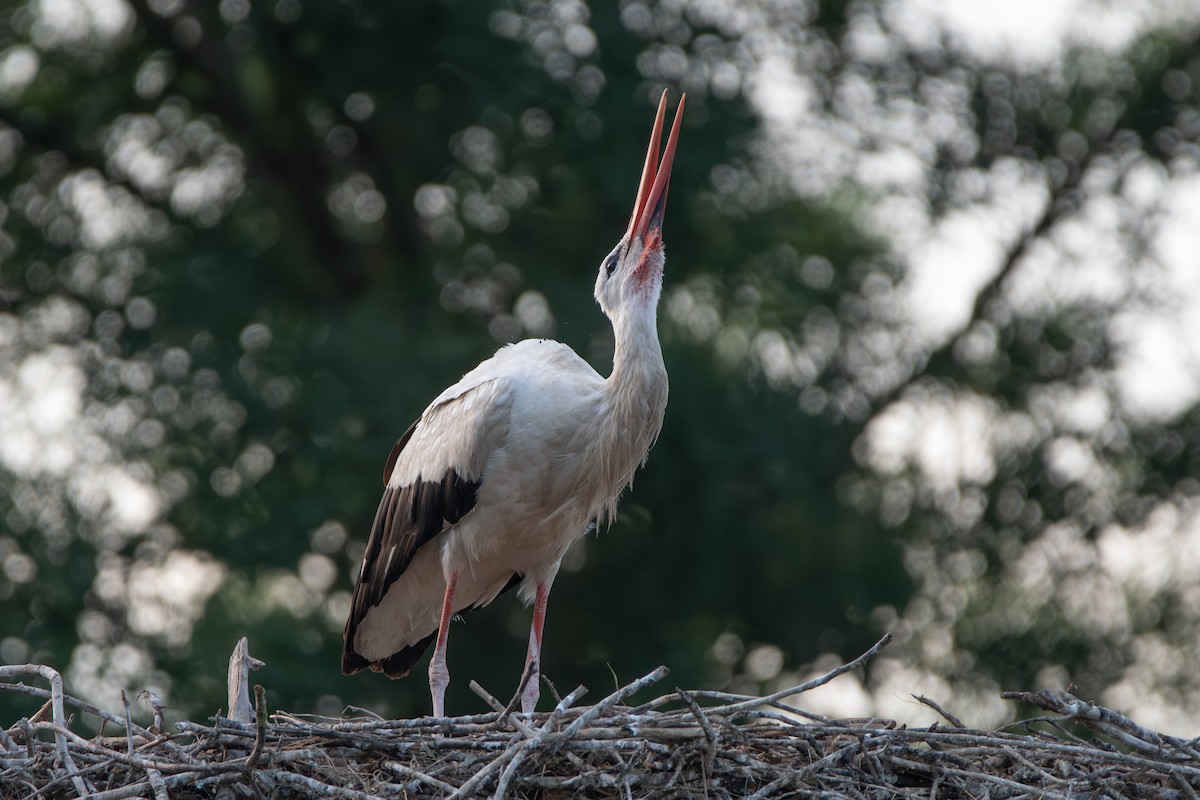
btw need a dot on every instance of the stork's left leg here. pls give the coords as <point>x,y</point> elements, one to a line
<point>532,677</point>
<point>439,674</point>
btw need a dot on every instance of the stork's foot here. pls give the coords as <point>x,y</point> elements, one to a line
<point>531,680</point>
<point>439,679</point>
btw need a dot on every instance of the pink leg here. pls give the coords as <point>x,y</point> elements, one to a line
<point>532,678</point>
<point>439,675</point>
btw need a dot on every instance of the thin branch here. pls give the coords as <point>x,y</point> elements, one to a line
<point>260,733</point>
<point>710,735</point>
<point>953,720</point>
<point>495,704</point>
<point>733,708</point>
<point>417,775</point>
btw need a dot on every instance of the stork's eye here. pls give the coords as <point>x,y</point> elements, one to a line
<point>610,264</point>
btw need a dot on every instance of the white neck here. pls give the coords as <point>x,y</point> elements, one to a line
<point>637,398</point>
<point>637,357</point>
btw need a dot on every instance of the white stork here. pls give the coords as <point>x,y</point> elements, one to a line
<point>507,467</point>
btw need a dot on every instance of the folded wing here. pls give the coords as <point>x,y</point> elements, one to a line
<point>432,477</point>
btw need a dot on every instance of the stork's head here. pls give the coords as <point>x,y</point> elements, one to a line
<point>631,275</point>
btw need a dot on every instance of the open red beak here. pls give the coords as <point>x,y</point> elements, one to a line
<point>652,192</point>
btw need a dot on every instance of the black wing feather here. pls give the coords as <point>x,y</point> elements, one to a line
<point>408,517</point>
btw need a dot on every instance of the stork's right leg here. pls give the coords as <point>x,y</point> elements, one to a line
<point>531,679</point>
<point>439,675</point>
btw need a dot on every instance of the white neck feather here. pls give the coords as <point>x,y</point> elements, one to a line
<point>636,394</point>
